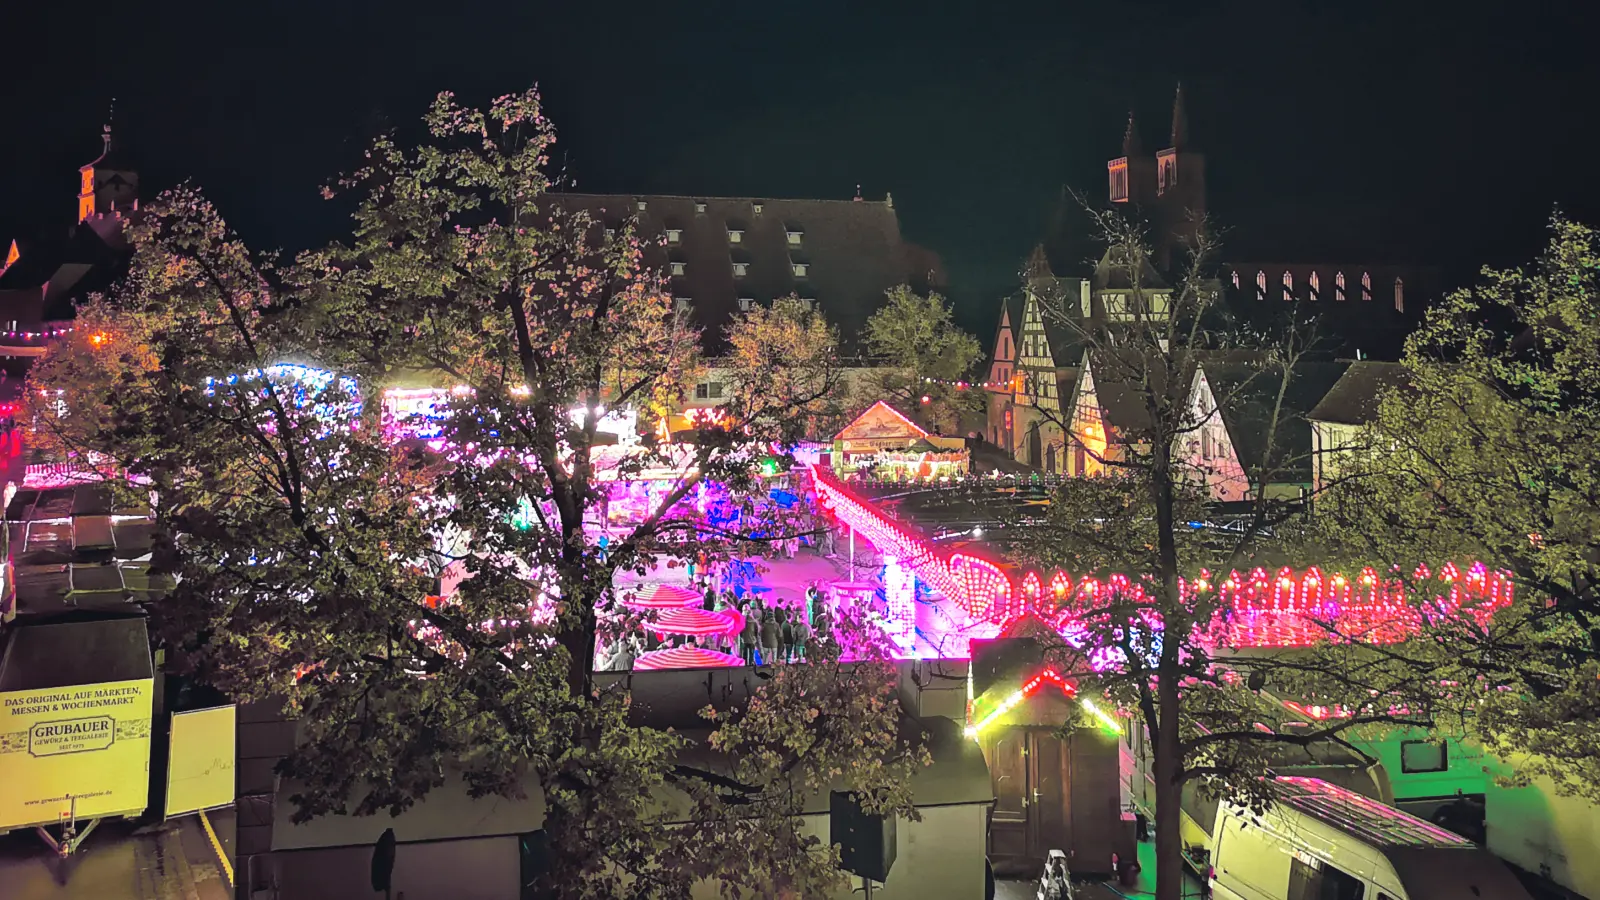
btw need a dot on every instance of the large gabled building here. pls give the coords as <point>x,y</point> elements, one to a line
<point>722,255</point>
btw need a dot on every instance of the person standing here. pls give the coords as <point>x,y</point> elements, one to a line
<point>769,638</point>
<point>785,637</point>
<point>802,634</point>
<point>710,601</point>
<point>751,635</point>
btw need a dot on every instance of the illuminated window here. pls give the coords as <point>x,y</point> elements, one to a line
<point>642,205</point>
<point>1366,286</point>
<point>795,237</point>
<point>756,208</point>
<point>735,236</point>
<point>810,302</point>
<point>1288,286</point>
<point>674,236</point>
<point>1236,279</point>
<point>1118,172</point>
<point>1338,287</point>
<point>1167,173</point>
<point>680,304</point>
<point>1399,296</point>
<point>1261,285</point>
<point>678,268</point>
<point>1316,287</point>
<point>800,269</point>
<point>740,269</point>
<point>699,206</point>
<point>746,304</point>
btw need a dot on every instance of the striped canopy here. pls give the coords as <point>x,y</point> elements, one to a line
<point>662,596</point>
<point>698,622</point>
<point>685,658</point>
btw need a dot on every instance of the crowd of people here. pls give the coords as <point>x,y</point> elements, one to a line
<point>774,633</point>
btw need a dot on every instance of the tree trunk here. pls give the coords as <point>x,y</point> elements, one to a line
<point>1169,797</point>
<point>1168,750</point>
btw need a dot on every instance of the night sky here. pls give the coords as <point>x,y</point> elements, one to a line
<point>1385,131</point>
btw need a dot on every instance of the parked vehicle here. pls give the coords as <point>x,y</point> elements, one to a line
<point>1325,760</point>
<point>1320,841</point>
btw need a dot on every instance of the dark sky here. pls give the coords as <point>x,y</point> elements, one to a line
<point>1416,132</point>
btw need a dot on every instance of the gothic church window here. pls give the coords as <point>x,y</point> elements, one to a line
<point>1261,285</point>
<point>1288,287</point>
<point>1399,296</point>
<point>1316,287</point>
<point>1338,287</point>
<point>1366,286</point>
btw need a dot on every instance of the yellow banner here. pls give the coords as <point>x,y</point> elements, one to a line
<point>82,750</point>
<point>200,769</point>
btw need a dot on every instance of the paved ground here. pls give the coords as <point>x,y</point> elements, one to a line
<point>174,861</point>
<point>1143,887</point>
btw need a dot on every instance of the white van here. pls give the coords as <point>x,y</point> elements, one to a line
<point>1320,841</point>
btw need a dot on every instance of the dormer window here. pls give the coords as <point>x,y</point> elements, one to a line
<point>746,304</point>
<point>680,304</point>
<point>735,236</point>
<point>810,302</point>
<point>800,269</point>
<point>678,268</point>
<point>741,269</point>
<point>700,206</point>
<point>795,237</point>
<point>756,208</point>
<point>674,236</point>
<point>642,205</point>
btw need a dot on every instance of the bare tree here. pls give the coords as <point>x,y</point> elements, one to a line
<point>1172,503</point>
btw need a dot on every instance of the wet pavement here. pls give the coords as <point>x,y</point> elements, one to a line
<point>173,861</point>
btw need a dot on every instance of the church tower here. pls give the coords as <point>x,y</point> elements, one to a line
<point>1131,176</point>
<point>1180,183</point>
<point>109,184</point>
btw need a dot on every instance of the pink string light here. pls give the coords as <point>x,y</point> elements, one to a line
<point>1258,610</point>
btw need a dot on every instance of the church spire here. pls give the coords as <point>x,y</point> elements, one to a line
<point>1180,120</point>
<point>1038,267</point>
<point>1130,138</point>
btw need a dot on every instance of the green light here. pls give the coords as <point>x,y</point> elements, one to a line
<point>523,519</point>
<point>769,466</point>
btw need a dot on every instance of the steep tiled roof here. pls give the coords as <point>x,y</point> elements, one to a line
<point>851,251</point>
<point>1114,273</point>
<point>1353,399</point>
<point>1246,393</point>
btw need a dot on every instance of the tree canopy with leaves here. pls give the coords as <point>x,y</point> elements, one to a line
<point>916,339</point>
<point>1488,452</point>
<point>246,396</point>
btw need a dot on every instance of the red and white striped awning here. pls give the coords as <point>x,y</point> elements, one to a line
<point>698,622</point>
<point>685,658</point>
<point>662,596</point>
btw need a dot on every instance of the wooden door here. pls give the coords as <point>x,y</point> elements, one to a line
<point>1008,770</point>
<point>1049,795</point>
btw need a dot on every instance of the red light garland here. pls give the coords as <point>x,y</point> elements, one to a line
<point>1258,609</point>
